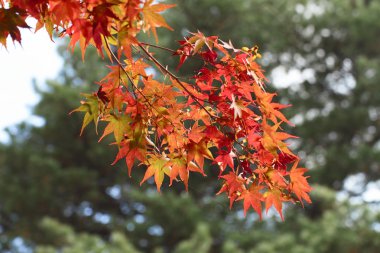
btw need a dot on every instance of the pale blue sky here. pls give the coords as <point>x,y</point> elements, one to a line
<point>36,58</point>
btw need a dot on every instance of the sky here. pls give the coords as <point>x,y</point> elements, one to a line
<point>37,59</point>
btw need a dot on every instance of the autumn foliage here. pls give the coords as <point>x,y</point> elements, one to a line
<point>164,124</point>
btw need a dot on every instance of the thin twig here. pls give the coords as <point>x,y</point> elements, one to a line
<point>160,47</point>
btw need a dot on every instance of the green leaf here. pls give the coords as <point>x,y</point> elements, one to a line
<point>91,108</point>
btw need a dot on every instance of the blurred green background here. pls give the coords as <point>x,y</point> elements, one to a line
<point>59,193</point>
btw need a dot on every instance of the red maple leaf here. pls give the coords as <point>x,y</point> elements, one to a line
<point>233,186</point>
<point>65,11</point>
<point>252,198</point>
<point>131,150</point>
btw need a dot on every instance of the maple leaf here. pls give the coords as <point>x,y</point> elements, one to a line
<point>184,52</point>
<point>252,198</point>
<point>229,46</point>
<point>273,140</point>
<point>91,109</point>
<point>196,133</point>
<point>158,166</point>
<point>282,160</point>
<point>198,151</point>
<point>276,178</point>
<point>271,177</point>
<point>274,198</point>
<point>45,21</point>
<point>11,20</point>
<point>108,92</point>
<point>198,40</point>
<point>159,91</point>
<point>80,30</point>
<point>129,10</point>
<point>269,109</point>
<point>114,78</point>
<point>91,27</point>
<point>119,126</point>
<point>225,159</point>
<point>126,38</point>
<point>103,17</point>
<point>299,184</point>
<point>32,7</point>
<point>209,56</point>
<point>131,150</point>
<point>152,19</point>
<point>254,138</point>
<point>237,107</point>
<point>64,11</point>
<point>179,167</point>
<point>206,77</point>
<point>234,186</point>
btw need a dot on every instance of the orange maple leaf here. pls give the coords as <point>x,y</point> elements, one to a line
<point>273,140</point>
<point>152,19</point>
<point>269,109</point>
<point>274,197</point>
<point>179,167</point>
<point>198,151</point>
<point>252,198</point>
<point>299,184</point>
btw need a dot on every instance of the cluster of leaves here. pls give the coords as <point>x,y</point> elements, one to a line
<point>168,125</point>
